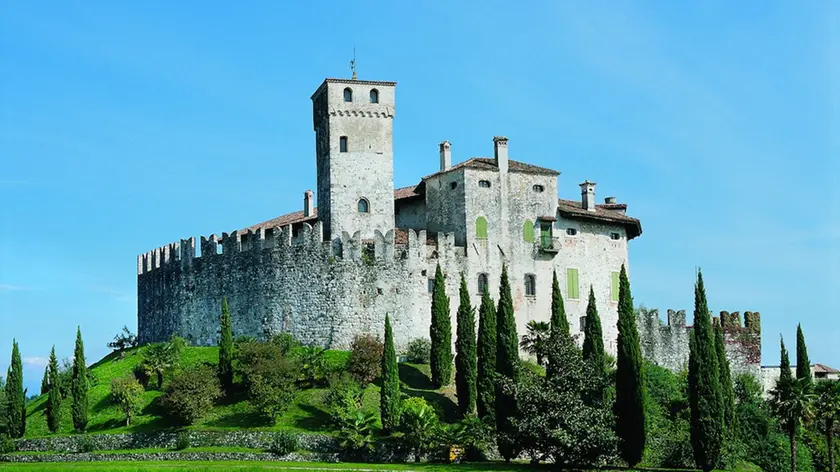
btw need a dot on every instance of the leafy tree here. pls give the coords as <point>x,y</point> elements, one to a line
<point>792,402</point>
<point>704,379</point>
<point>727,388</point>
<point>268,376</point>
<point>389,405</point>
<point>15,396</point>
<point>486,353</point>
<point>593,349</point>
<point>827,408</point>
<point>535,341</point>
<point>419,351</point>
<point>629,383</point>
<point>507,366</point>
<point>123,340</point>
<point>785,373</point>
<point>465,349</point>
<point>225,367</point>
<point>53,409</point>
<point>45,381</point>
<point>127,393</point>
<point>418,425</point>
<point>80,385</point>
<point>803,364</point>
<point>190,394</point>
<point>365,358</point>
<point>440,333</point>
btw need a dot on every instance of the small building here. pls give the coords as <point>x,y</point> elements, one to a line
<point>770,375</point>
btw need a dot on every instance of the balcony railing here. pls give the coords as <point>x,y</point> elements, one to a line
<point>549,244</point>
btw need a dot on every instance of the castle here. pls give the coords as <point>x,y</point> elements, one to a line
<point>326,274</point>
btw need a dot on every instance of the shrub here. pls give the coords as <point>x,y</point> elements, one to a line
<point>126,392</point>
<point>142,375</point>
<point>284,443</point>
<point>356,436</point>
<point>286,342</point>
<point>86,445</point>
<point>311,365</point>
<point>182,441</point>
<point>418,426</point>
<point>251,355</point>
<point>191,394</point>
<point>123,340</point>
<point>365,358</point>
<point>343,399</point>
<point>268,377</point>
<point>7,444</point>
<point>419,351</point>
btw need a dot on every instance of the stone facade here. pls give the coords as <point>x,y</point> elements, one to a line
<point>326,274</point>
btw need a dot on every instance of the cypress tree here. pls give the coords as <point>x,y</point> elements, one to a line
<point>389,403</point>
<point>53,409</point>
<point>440,333</point>
<point>465,353</point>
<point>559,322</point>
<point>726,386</point>
<point>80,385</point>
<point>486,349</point>
<point>225,348</point>
<point>45,382</point>
<point>803,364</point>
<point>507,365</point>
<point>629,383</point>
<point>785,375</point>
<point>15,410</point>
<point>593,350</point>
<point>705,397</point>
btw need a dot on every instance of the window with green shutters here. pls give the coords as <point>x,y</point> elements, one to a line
<point>481,228</point>
<point>572,284</point>
<point>528,231</point>
<point>614,286</point>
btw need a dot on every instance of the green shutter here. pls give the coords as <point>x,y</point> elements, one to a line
<point>614,286</point>
<point>481,228</point>
<point>572,284</point>
<point>528,231</point>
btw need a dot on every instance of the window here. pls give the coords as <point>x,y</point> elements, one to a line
<point>571,231</point>
<point>582,323</point>
<point>572,284</point>
<point>484,183</point>
<point>363,206</point>
<point>453,185</point>
<point>431,285</point>
<point>342,144</point>
<point>481,228</point>
<point>374,96</point>
<point>348,95</point>
<point>528,231</point>
<point>539,188</point>
<point>614,286</point>
<point>530,285</point>
<point>482,283</point>
<point>615,236</point>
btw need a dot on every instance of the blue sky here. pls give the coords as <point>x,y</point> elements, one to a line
<point>125,127</point>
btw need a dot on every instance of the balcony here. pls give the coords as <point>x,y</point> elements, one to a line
<point>549,244</point>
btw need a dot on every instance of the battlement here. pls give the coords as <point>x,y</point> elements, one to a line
<point>731,322</point>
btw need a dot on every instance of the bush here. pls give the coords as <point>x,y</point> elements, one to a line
<point>191,393</point>
<point>126,392</point>
<point>356,436</point>
<point>284,443</point>
<point>268,377</point>
<point>182,441</point>
<point>365,358</point>
<point>86,445</point>
<point>311,365</point>
<point>142,375</point>
<point>343,399</point>
<point>286,342</point>
<point>418,426</point>
<point>7,444</point>
<point>419,351</point>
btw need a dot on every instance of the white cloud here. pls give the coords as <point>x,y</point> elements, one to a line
<point>36,361</point>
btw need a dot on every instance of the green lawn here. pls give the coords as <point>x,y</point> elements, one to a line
<point>255,466</point>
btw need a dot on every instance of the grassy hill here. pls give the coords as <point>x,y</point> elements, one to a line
<point>307,414</point>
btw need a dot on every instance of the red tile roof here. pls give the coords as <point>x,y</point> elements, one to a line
<point>488,163</point>
<point>605,213</point>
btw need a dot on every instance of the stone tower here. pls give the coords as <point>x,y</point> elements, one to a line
<point>353,121</point>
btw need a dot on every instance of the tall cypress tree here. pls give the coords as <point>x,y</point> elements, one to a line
<point>507,365</point>
<point>486,349</point>
<point>803,364</point>
<point>440,333</point>
<point>53,409</point>
<point>80,385</point>
<point>593,349</point>
<point>465,353</point>
<point>559,322</point>
<point>225,367</point>
<point>15,396</point>
<point>785,375</point>
<point>389,402</point>
<point>629,383</point>
<point>726,386</point>
<point>45,381</point>
<point>705,399</point>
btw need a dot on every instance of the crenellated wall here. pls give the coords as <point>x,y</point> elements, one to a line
<point>276,281</point>
<point>666,344</point>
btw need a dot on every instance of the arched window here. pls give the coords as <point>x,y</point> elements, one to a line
<point>530,284</point>
<point>374,96</point>
<point>528,231</point>
<point>481,228</point>
<point>482,283</point>
<point>348,95</point>
<point>484,183</point>
<point>342,144</point>
<point>539,188</point>
<point>363,206</point>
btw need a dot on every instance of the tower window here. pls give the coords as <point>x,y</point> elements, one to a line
<point>571,231</point>
<point>342,144</point>
<point>615,236</point>
<point>348,95</point>
<point>453,185</point>
<point>374,96</point>
<point>530,284</point>
<point>484,183</point>
<point>539,188</point>
<point>482,283</point>
<point>363,206</point>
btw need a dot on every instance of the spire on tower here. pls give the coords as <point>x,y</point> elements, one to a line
<point>353,64</point>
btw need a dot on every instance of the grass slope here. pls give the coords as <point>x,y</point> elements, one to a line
<point>307,414</point>
<point>255,466</point>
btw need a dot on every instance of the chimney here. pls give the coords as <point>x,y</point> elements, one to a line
<point>587,195</point>
<point>308,203</point>
<point>445,156</point>
<point>609,200</point>
<point>500,146</point>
